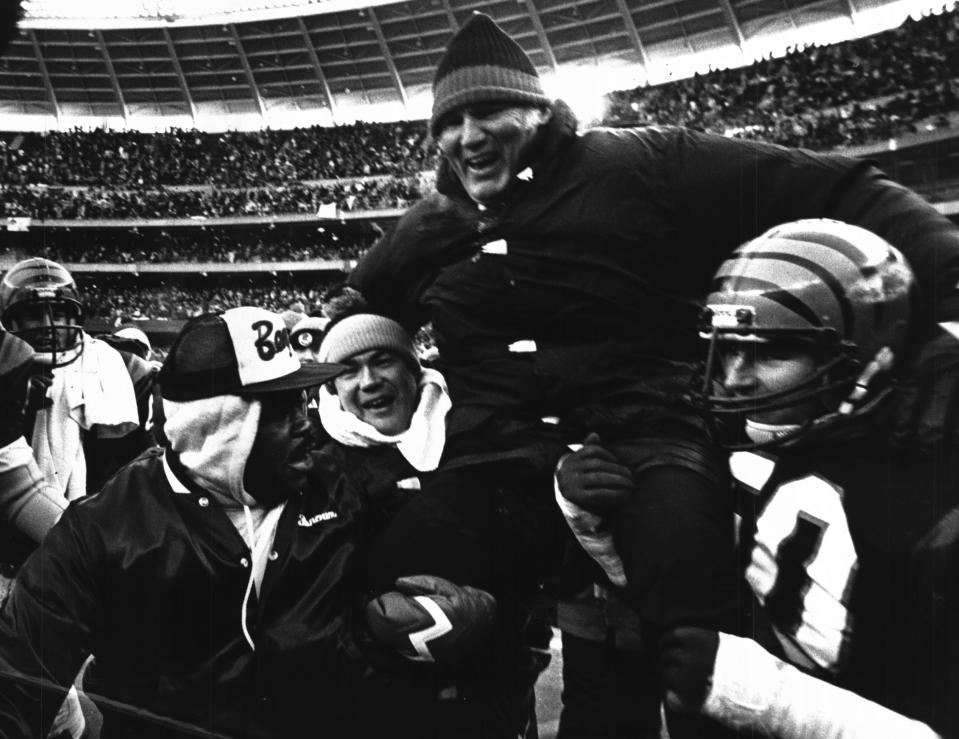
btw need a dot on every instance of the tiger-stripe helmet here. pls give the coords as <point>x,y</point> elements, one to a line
<point>39,302</point>
<point>836,288</point>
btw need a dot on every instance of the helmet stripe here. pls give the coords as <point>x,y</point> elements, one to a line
<point>770,291</point>
<point>827,277</point>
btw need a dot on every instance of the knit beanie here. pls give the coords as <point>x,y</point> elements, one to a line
<point>481,65</point>
<point>362,332</point>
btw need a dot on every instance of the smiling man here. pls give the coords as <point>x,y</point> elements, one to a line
<point>380,385</point>
<point>384,398</point>
<point>386,415</point>
<point>217,580</point>
<point>93,417</point>
<point>562,272</point>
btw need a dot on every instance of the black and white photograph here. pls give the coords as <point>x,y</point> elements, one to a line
<point>479,369</point>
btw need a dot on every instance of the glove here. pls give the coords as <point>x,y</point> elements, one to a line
<point>16,369</point>
<point>925,412</point>
<point>41,378</point>
<point>687,656</point>
<point>429,619</point>
<point>593,478</point>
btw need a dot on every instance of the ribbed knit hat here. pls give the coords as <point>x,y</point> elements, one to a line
<point>362,332</point>
<point>483,65</point>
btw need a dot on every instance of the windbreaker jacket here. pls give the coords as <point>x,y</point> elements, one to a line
<point>579,295</point>
<point>150,575</point>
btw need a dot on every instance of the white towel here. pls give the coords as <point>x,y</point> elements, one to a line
<point>94,393</point>
<point>57,448</point>
<point>98,390</point>
<point>421,444</point>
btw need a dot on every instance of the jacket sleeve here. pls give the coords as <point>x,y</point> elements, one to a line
<point>753,690</point>
<point>729,191</point>
<point>932,633</point>
<point>400,266</point>
<point>46,629</point>
<point>27,501</point>
<point>378,277</point>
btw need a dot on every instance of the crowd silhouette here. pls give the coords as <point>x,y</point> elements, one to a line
<point>821,97</point>
<point>901,81</point>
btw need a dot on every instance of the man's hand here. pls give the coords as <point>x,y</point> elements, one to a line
<point>925,414</point>
<point>429,619</point>
<point>16,370</point>
<point>593,478</point>
<point>687,656</point>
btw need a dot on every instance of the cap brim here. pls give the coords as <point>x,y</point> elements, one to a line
<point>308,375</point>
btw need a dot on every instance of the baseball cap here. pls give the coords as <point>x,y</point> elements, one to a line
<point>242,351</point>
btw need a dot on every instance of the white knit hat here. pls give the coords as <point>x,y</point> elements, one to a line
<point>362,332</point>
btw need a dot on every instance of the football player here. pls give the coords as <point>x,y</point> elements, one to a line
<point>851,551</point>
<point>94,409</point>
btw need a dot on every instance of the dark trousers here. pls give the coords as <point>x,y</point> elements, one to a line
<point>676,539</point>
<point>608,692</point>
<point>492,528</point>
<point>458,527</point>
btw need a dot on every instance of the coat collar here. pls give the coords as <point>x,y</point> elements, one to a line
<point>558,132</point>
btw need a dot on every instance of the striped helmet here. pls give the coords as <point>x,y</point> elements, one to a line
<point>44,294</point>
<point>838,290</point>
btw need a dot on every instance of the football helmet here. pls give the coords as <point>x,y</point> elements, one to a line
<point>833,290</point>
<point>39,302</point>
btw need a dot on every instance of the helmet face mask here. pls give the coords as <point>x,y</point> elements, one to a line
<point>820,296</point>
<point>39,303</point>
<point>809,375</point>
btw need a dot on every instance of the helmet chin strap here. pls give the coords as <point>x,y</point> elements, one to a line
<point>882,362</point>
<point>766,433</point>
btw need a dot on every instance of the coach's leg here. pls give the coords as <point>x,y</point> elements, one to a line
<point>676,539</point>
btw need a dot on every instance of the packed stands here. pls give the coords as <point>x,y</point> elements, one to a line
<point>130,159</point>
<point>115,300</point>
<point>263,243</point>
<point>103,203</point>
<point>120,201</point>
<point>826,97</point>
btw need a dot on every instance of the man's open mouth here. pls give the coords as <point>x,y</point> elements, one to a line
<point>378,403</point>
<point>481,162</point>
<point>300,457</point>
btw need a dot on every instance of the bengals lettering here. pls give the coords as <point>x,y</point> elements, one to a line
<point>267,346</point>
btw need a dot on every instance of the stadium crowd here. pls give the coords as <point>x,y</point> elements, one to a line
<point>119,300</point>
<point>104,203</point>
<point>130,159</point>
<point>231,246</point>
<point>819,97</point>
<point>899,81</point>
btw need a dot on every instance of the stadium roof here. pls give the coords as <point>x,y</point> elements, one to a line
<point>285,63</point>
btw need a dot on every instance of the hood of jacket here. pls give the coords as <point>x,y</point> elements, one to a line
<point>213,438</point>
